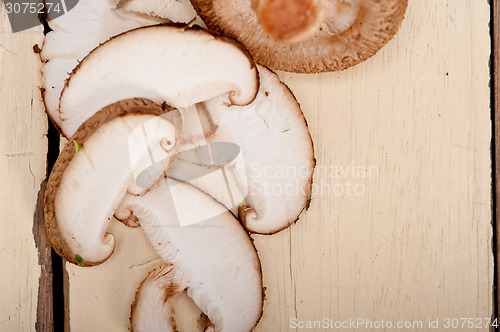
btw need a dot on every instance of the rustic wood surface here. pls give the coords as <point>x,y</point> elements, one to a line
<point>496,147</point>
<point>415,241</point>
<point>400,225</point>
<point>23,151</point>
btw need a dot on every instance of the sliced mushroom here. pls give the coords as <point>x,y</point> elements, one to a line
<point>152,308</point>
<point>259,159</point>
<point>213,258</point>
<point>164,63</point>
<point>290,21</point>
<point>375,23</point>
<point>73,36</point>
<point>173,10</point>
<point>97,167</point>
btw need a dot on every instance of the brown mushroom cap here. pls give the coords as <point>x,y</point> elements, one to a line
<point>376,23</point>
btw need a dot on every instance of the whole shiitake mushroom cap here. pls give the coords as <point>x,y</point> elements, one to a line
<point>376,23</point>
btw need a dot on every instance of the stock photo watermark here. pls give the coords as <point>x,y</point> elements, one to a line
<point>344,180</point>
<point>238,182</point>
<point>452,323</point>
<point>335,180</point>
<point>26,14</point>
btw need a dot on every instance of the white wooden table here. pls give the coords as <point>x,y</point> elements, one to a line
<point>400,225</point>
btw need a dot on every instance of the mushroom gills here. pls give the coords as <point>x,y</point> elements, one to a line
<point>96,167</point>
<point>213,257</point>
<point>340,15</point>
<point>165,63</point>
<point>259,160</point>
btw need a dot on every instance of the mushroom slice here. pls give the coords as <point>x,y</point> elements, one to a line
<point>164,63</point>
<point>97,167</point>
<point>290,21</point>
<point>172,10</point>
<point>152,309</point>
<point>261,153</point>
<point>73,36</point>
<point>213,257</point>
<point>376,22</point>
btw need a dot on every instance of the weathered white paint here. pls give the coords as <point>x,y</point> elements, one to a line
<point>415,242</point>
<point>23,150</point>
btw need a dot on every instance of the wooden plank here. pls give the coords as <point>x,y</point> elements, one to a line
<point>410,237</point>
<point>496,131</point>
<point>417,245</point>
<point>23,149</point>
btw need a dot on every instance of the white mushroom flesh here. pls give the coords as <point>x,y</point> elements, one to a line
<point>152,309</point>
<point>172,10</point>
<point>97,177</point>
<point>214,258</point>
<point>179,66</point>
<point>74,35</point>
<point>270,179</point>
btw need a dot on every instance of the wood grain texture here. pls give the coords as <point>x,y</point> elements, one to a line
<point>23,149</point>
<point>400,223</point>
<point>496,128</point>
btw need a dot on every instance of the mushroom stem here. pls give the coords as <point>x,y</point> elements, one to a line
<point>290,21</point>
